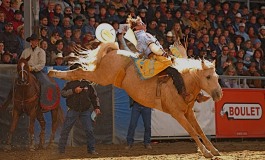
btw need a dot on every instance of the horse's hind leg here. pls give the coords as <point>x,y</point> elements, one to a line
<point>15,118</point>
<point>54,114</point>
<point>192,119</point>
<point>42,123</point>
<point>32,117</point>
<point>188,127</point>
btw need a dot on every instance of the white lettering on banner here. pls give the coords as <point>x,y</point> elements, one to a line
<point>242,111</point>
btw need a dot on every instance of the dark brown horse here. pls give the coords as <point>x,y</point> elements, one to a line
<point>26,99</point>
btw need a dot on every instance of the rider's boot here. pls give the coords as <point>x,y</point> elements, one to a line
<point>179,84</point>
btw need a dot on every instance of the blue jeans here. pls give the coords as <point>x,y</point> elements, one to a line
<point>70,119</point>
<point>137,110</point>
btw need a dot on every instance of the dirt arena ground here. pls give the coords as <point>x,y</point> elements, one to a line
<point>177,150</point>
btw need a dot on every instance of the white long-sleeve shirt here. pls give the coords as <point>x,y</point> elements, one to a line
<point>38,58</point>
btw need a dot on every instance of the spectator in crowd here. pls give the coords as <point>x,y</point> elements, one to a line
<point>58,13</point>
<point>222,63</point>
<point>161,31</point>
<point>66,24</point>
<point>151,10</point>
<point>137,111</point>
<point>227,82</point>
<point>79,24</point>
<point>91,12</point>
<point>54,26</point>
<point>102,17</point>
<point>77,12</point>
<point>241,69</point>
<point>169,20</point>
<point>152,27</point>
<point>2,48</point>
<point>10,39</point>
<point>111,16</point>
<point>253,23</point>
<point>242,32</point>
<point>177,32</point>
<point>58,49</point>
<point>49,11</point>
<point>258,58</point>
<point>43,21</point>
<point>80,96</point>
<point>169,39</point>
<point>17,20</point>
<point>54,37</point>
<point>91,26</point>
<point>262,74</point>
<point>6,9</point>
<point>251,33</point>
<point>7,58</point>
<point>186,18</point>
<point>44,46</point>
<point>239,41</point>
<point>237,21</point>
<point>77,36</point>
<point>83,5</point>
<point>252,71</point>
<point>261,36</point>
<point>67,39</point>
<point>126,5</point>
<point>2,21</point>
<point>44,33</point>
<point>214,45</point>
<point>68,12</point>
<point>212,57</point>
<point>21,38</point>
<point>88,37</point>
<point>107,3</point>
<point>142,14</point>
<point>59,60</point>
<point>256,44</point>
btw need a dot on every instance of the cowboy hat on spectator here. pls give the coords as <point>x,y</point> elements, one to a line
<point>59,56</point>
<point>105,33</point>
<point>261,28</point>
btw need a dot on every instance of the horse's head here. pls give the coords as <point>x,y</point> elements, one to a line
<point>23,71</point>
<point>209,80</point>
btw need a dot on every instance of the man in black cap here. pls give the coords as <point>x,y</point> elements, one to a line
<point>36,64</point>
<point>10,40</point>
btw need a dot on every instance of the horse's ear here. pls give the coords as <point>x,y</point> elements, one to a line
<point>28,58</point>
<point>203,64</point>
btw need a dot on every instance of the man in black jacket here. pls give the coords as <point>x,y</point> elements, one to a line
<point>80,95</point>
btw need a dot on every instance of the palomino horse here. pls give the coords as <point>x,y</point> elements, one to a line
<point>26,96</point>
<point>111,64</point>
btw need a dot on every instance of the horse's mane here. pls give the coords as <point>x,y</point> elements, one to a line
<point>184,65</point>
<point>89,59</point>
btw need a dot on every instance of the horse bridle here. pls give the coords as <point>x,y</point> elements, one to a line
<point>24,73</point>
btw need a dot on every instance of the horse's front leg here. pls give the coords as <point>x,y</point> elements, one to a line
<point>15,118</point>
<point>42,123</point>
<point>193,121</point>
<point>179,116</point>
<point>32,117</point>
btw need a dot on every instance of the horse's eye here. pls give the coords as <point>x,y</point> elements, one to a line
<point>208,77</point>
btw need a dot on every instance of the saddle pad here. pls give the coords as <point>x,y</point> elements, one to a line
<point>148,68</point>
<point>50,96</point>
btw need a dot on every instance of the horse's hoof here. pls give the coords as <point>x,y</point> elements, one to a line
<point>215,152</point>
<point>208,154</point>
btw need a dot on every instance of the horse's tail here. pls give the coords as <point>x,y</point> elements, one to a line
<point>60,116</point>
<point>104,48</point>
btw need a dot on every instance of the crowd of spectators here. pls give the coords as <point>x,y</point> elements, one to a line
<point>228,33</point>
